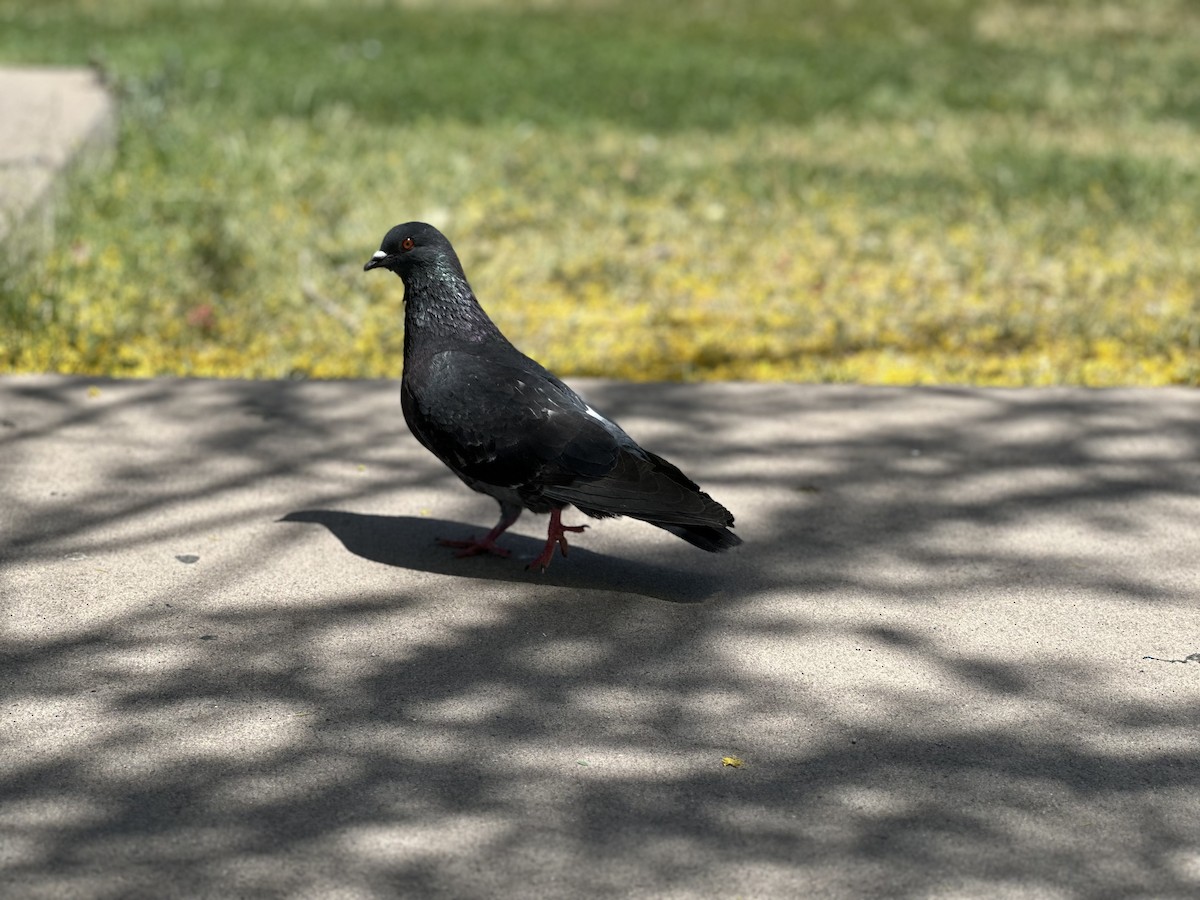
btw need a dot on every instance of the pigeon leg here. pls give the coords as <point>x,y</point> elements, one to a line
<point>556,534</point>
<point>473,547</point>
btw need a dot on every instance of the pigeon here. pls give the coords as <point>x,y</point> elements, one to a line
<point>510,429</point>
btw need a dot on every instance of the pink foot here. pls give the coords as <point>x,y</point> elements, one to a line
<point>475,547</point>
<point>555,535</point>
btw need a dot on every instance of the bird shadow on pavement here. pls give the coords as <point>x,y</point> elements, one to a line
<point>409,542</point>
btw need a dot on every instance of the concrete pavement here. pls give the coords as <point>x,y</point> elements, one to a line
<point>957,654</point>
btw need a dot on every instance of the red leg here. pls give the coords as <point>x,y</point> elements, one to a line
<point>474,547</point>
<point>555,535</point>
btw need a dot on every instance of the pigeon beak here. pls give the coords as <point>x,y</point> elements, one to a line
<point>378,259</point>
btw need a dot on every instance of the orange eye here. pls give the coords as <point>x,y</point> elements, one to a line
<point>407,243</point>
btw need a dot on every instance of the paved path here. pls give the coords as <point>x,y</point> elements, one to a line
<point>957,653</point>
<point>50,119</point>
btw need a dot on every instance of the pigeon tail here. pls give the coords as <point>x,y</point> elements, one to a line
<point>643,485</point>
<point>706,537</point>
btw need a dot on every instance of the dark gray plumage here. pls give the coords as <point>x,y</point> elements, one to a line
<point>510,429</point>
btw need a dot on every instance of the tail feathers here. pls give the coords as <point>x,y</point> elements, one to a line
<point>647,487</point>
<point>706,537</point>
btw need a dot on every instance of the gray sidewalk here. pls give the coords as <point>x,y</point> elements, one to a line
<point>234,664</point>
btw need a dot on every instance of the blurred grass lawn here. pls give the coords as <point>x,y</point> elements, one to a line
<point>996,192</point>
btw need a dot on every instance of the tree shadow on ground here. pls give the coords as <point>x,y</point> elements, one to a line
<point>930,661</point>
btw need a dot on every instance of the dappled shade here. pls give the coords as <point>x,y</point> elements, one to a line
<point>236,663</point>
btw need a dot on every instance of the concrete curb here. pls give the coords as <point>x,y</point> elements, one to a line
<point>51,119</point>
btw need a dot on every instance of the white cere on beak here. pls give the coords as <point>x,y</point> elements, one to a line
<point>378,254</point>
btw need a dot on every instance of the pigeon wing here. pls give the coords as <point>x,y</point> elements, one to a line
<point>510,424</point>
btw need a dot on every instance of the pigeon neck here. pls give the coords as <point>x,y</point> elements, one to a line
<point>441,306</point>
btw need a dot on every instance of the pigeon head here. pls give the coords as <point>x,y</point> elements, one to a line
<point>438,301</point>
<point>415,248</point>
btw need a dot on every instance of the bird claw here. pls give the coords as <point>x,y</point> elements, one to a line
<point>562,538</point>
<point>474,547</point>
<point>557,536</point>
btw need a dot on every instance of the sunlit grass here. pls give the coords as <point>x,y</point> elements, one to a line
<point>998,193</point>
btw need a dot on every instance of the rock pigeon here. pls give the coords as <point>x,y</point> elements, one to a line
<point>508,428</point>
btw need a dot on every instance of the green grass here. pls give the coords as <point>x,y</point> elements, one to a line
<point>996,192</point>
